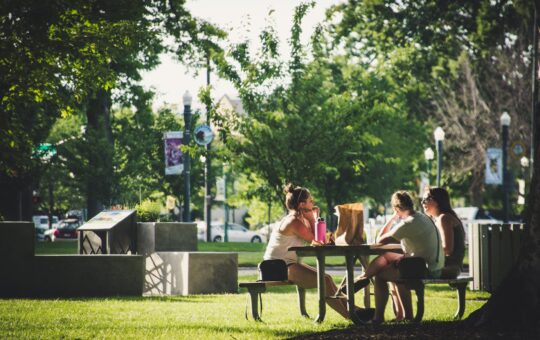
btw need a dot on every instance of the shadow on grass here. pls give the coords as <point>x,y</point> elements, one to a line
<point>425,330</point>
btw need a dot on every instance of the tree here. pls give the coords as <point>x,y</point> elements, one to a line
<point>64,55</point>
<point>330,126</point>
<point>140,132</point>
<point>468,56</point>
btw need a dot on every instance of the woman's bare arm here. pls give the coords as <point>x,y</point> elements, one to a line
<point>446,229</point>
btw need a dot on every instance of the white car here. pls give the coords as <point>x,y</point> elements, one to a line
<point>41,222</point>
<point>65,230</point>
<point>235,233</point>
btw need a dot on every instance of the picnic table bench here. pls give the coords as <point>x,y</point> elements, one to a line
<point>255,289</point>
<point>459,283</point>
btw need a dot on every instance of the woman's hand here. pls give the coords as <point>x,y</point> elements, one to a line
<point>311,214</point>
<point>316,243</point>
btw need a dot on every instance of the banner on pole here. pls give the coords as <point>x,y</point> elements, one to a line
<point>220,186</point>
<point>174,162</point>
<point>494,171</point>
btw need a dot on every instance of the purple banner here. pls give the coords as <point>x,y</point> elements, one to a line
<point>174,162</point>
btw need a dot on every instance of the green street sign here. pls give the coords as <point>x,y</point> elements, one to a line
<point>45,151</point>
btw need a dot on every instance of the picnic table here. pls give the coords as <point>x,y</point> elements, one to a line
<point>351,253</point>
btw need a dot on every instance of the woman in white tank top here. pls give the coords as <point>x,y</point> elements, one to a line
<point>295,229</point>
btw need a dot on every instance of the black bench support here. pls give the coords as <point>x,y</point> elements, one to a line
<point>460,284</point>
<point>255,289</point>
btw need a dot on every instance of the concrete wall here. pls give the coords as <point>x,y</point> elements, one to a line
<point>23,274</point>
<point>166,236</point>
<point>163,270</point>
<point>87,275</point>
<point>16,254</point>
<point>184,273</point>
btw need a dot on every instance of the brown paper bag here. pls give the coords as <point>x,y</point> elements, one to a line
<point>350,228</point>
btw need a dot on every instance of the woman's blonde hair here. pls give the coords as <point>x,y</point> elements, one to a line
<point>403,201</point>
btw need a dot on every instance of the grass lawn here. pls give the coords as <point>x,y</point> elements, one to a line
<point>194,317</point>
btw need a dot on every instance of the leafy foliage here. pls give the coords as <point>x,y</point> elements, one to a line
<point>332,127</point>
<point>59,57</point>
<point>148,211</point>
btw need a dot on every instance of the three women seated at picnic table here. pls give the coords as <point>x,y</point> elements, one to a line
<point>437,237</point>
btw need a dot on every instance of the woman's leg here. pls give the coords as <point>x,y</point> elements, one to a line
<point>379,263</point>
<point>404,296</point>
<point>385,275</point>
<point>396,302</point>
<point>306,277</point>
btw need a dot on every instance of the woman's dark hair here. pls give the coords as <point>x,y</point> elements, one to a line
<point>403,201</point>
<point>441,196</point>
<point>294,196</point>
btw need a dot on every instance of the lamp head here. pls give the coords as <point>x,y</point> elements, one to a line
<point>187,98</point>
<point>429,154</point>
<point>505,119</point>
<point>524,162</point>
<point>438,134</point>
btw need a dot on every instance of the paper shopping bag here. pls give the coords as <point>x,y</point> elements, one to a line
<point>350,228</point>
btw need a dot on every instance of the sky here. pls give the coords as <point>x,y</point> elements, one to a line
<point>242,19</point>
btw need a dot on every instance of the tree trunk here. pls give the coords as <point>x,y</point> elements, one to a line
<point>99,152</point>
<point>515,304</point>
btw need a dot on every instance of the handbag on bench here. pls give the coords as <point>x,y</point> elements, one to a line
<point>273,270</point>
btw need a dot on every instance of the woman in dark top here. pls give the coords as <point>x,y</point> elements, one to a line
<point>436,203</point>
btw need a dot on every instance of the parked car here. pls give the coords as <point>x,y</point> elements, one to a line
<point>66,230</point>
<point>41,222</point>
<point>235,233</point>
<point>267,230</point>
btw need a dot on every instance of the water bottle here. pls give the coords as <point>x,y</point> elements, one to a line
<point>320,232</point>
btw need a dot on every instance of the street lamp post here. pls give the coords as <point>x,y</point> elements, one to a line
<point>208,166</point>
<point>439,137</point>
<point>505,123</point>
<point>187,158</point>
<point>429,155</point>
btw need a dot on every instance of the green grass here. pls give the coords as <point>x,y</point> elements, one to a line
<point>195,317</point>
<point>190,317</point>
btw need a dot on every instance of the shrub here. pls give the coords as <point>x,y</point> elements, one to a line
<point>148,211</point>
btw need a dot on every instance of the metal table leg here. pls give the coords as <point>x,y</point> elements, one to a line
<point>350,259</point>
<point>321,287</point>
